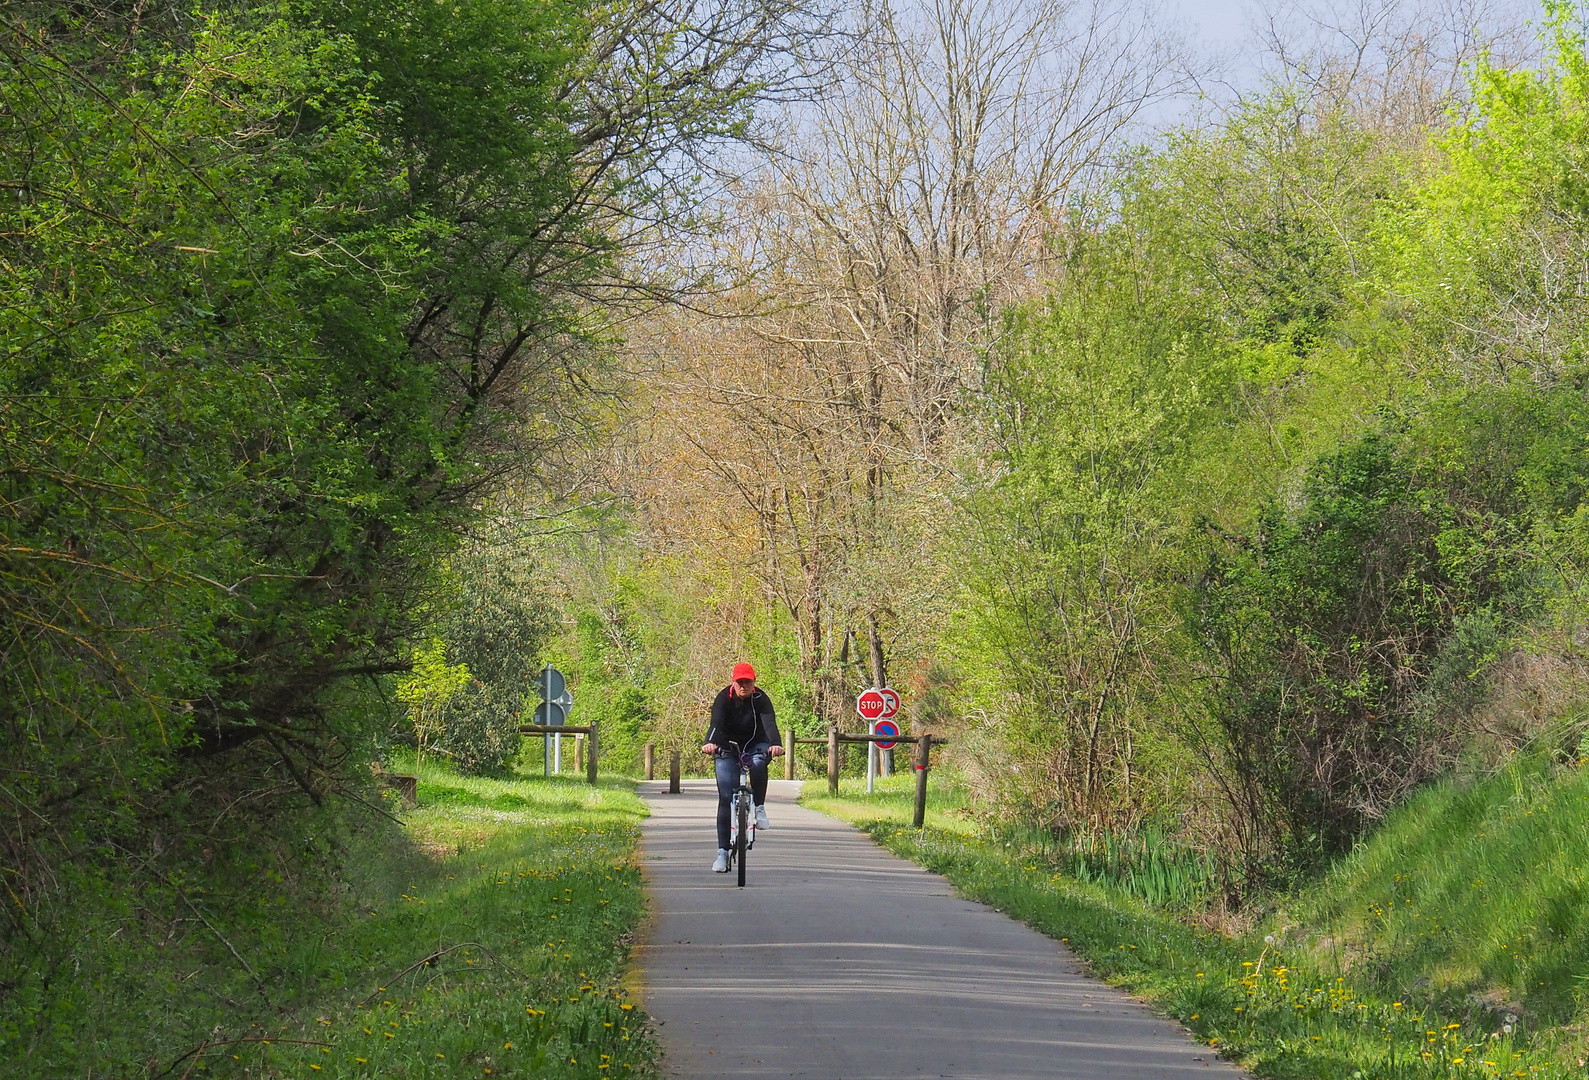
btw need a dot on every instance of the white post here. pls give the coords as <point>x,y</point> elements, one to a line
<point>546,741</point>
<point>871,757</point>
<point>557,753</point>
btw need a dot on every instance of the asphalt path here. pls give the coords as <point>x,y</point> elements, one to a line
<point>840,961</point>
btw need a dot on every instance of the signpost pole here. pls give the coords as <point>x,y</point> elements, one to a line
<point>557,753</point>
<point>871,758</point>
<point>546,754</point>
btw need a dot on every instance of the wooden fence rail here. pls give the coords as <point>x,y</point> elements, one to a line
<point>835,738</point>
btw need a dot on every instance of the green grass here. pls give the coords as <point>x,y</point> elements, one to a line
<point>490,941</point>
<point>1278,1008</point>
<point>1471,894</point>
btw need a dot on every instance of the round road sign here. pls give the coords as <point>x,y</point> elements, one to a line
<point>871,704</point>
<point>886,727</point>
<point>550,683</point>
<point>890,703</point>
<point>551,714</point>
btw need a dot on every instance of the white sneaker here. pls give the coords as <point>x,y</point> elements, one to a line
<point>761,818</point>
<point>720,864</point>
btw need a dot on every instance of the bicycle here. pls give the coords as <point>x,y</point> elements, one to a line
<point>742,816</point>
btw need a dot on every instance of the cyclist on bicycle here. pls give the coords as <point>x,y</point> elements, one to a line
<point>742,714</point>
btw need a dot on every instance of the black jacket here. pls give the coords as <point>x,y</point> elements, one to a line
<point>741,720</point>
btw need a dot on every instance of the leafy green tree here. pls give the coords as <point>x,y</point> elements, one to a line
<point>428,689</point>
<point>496,619</point>
<point>288,288</point>
<point>609,671</point>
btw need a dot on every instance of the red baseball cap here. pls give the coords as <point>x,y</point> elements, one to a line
<point>743,670</point>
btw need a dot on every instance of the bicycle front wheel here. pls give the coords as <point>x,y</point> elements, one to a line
<point>743,814</point>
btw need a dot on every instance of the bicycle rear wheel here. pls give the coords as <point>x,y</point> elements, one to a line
<point>742,809</point>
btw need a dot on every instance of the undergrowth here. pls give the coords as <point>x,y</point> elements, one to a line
<point>1273,1006</point>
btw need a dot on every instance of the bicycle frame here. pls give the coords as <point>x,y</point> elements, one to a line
<point>742,816</point>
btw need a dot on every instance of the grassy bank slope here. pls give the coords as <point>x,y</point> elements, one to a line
<point>1280,1007</point>
<point>493,948</point>
<point>1473,896</point>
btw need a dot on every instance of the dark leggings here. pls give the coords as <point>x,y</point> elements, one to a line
<point>728,780</point>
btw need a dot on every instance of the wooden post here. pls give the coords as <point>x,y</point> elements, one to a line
<point>923,748</point>
<point>595,745</point>
<point>833,759</point>
<point>651,761</point>
<point>579,753</point>
<point>673,774</point>
<point>788,753</point>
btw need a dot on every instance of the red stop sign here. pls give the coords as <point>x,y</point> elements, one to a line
<point>871,704</point>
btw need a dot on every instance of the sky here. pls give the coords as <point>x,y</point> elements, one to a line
<point>1225,27</point>
<point>1219,22</point>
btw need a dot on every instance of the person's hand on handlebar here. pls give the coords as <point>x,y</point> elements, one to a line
<point>711,748</point>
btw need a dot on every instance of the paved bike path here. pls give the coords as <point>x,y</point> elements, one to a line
<point>840,961</point>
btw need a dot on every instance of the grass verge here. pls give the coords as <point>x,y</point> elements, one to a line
<point>1268,1005</point>
<point>497,952</point>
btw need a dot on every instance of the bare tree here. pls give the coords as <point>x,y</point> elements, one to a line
<point>926,192</point>
<point>1391,65</point>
